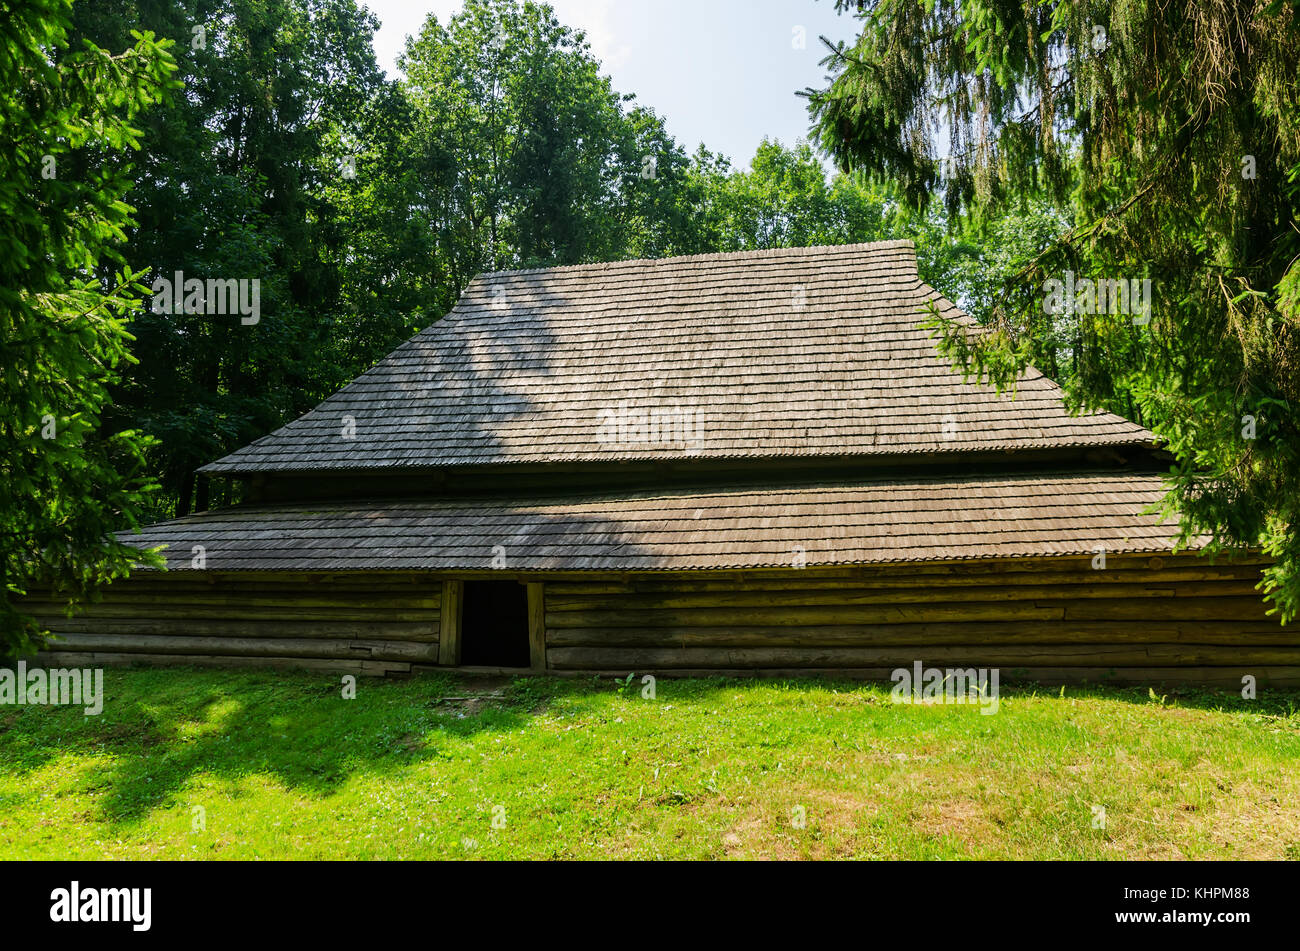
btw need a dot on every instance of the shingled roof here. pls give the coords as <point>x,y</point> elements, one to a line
<point>888,520</point>
<point>792,352</point>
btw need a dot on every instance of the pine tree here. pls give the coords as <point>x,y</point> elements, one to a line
<point>1172,133</point>
<point>64,299</point>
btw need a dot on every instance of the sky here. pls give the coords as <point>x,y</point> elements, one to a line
<point>720,72</point>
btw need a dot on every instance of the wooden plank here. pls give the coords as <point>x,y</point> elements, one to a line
<point>449,637</point>
<point>537,626</point>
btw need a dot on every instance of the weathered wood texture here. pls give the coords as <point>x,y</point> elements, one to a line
<point>537,625</point>
<point>449,643</point>
<point>1157,619</point>
<point>378,623</point>
<point>1046,619</point>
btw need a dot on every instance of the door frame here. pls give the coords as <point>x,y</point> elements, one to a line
<point>449,623</point>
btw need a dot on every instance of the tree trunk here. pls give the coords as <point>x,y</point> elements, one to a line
<point>186,495</point>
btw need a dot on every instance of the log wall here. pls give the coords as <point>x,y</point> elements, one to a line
<point>1142,619</point>
<point>1052,620</point>
<point>377,623</point>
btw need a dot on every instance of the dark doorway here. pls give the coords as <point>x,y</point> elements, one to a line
<point>494,624</point>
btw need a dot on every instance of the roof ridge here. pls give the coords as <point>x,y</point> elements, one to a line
<point>704,258</point>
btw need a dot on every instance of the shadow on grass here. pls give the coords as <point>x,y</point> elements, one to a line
<point>163,727</point>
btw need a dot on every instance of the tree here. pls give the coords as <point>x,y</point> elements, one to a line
<point>1172,133</point>
<point>786,199</point>
<point>64,485</point>
<point>238,186</point>
<point>533,158</point>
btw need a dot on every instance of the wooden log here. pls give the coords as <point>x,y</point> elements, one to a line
<point>558,603</point>
<point>106,659</point>
<point>210,601</point>
<point>235,611</point>
<point>249,646</point>
<point>880,635</point>
<point>1190,609</point>
<point>995,655</point>
<point>1202,609</point>
<point>804,616</point>
<point>1225,677</point>
<point>420,631</point>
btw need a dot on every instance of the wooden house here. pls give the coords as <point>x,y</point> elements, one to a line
<point>726,463</point>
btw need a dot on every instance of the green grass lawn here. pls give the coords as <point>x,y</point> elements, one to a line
<point>283,767</point>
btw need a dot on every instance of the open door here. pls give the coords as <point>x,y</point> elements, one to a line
<point>494,624</point>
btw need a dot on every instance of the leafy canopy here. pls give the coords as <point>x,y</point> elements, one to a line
<point>1169,133</point>
<point>64,484</point>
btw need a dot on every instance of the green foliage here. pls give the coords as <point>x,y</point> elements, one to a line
<point>623,686</point>
<point>237,186</point>
<point>1171,132</point>
<point>65,294</point>
<point>530,157</point>
<point>786,199</point>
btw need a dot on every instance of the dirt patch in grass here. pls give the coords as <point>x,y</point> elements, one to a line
<point>805,823</point>
<point>473,696</point>
<point>963,819</point>
<point>465,706</point>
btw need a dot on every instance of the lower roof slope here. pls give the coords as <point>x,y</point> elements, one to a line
<point>790,352</point>
<point>896,520</point>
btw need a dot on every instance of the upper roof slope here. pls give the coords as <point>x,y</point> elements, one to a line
<point>791,352</point>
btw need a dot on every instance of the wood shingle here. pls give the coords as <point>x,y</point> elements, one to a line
<point>879,521</point>
<point>793,352</point>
